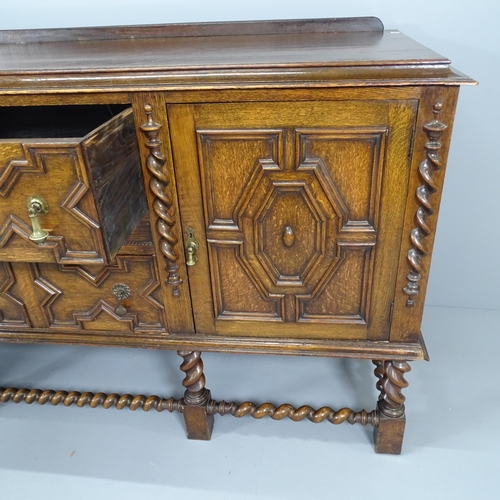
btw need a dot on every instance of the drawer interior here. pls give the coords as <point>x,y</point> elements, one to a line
<point>21,122</point>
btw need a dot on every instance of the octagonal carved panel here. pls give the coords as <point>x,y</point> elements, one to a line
<point>304,200</point>
<point>293,227</point>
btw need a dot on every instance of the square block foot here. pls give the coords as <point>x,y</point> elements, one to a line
<point>389,434</point>
<point>199,425</point>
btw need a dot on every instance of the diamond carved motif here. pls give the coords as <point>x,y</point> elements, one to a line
<point>305,199</point>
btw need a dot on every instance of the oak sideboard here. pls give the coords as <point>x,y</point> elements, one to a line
<point>261,187</point>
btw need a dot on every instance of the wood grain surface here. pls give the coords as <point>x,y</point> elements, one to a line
<point>335,172</point>
<point>252,187</point>
<point>282,53</point>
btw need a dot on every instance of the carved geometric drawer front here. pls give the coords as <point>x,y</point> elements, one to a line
<point>302,206</point>
<point>74,297</point>
<point>83,181</point>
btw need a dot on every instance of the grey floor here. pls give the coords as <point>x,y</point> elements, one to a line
<point>451,449</point>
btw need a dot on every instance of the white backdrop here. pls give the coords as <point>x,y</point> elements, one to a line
<point>466,265</point>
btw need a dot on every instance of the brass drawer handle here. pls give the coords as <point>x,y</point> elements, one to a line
<point>37,206</point>
<point>191,247</point>
<point>121,292</point>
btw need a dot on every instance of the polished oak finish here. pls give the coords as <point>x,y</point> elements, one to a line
<point>199,423</point>
<point>256,187</point>
<point>389,432</point>
<point>290,172</point>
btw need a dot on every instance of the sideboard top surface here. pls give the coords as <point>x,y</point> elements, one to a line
<point>323,50</point>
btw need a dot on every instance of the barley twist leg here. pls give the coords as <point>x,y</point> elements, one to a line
<point>391,381</point>
<point>379,373</point>
<point>199,423</point>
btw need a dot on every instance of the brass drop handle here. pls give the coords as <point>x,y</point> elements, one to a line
<point>191,247</point>
<point>37,206</point>
<point>121,292</point>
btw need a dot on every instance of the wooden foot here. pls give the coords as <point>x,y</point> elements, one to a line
<point>390,431</point>
<point>199,424</point>
<point>388,436</point>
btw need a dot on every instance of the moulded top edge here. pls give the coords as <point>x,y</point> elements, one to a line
<point>233,28</point>
<point>386,48</point>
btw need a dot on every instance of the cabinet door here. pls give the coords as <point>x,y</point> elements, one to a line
<point>298,209</point>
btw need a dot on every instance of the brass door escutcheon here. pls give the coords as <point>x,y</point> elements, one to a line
<point>37,206</point>
<point>191,247</point>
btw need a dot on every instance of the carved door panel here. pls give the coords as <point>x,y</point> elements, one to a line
<point>298,211</point>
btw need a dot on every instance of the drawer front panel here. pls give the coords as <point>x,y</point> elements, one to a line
<point>93,188</point>
<point>302,208</point>
<point>55,172</point>
<point>123,296</point>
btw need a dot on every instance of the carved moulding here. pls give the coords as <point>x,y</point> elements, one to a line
<point>82,319</point>
<point>426,169</point>
<point>7,282</point>
<point>35,154</point>
<point>15,168</point>
<point>162,203</point>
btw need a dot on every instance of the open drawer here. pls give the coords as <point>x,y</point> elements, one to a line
<point>71,186</point>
